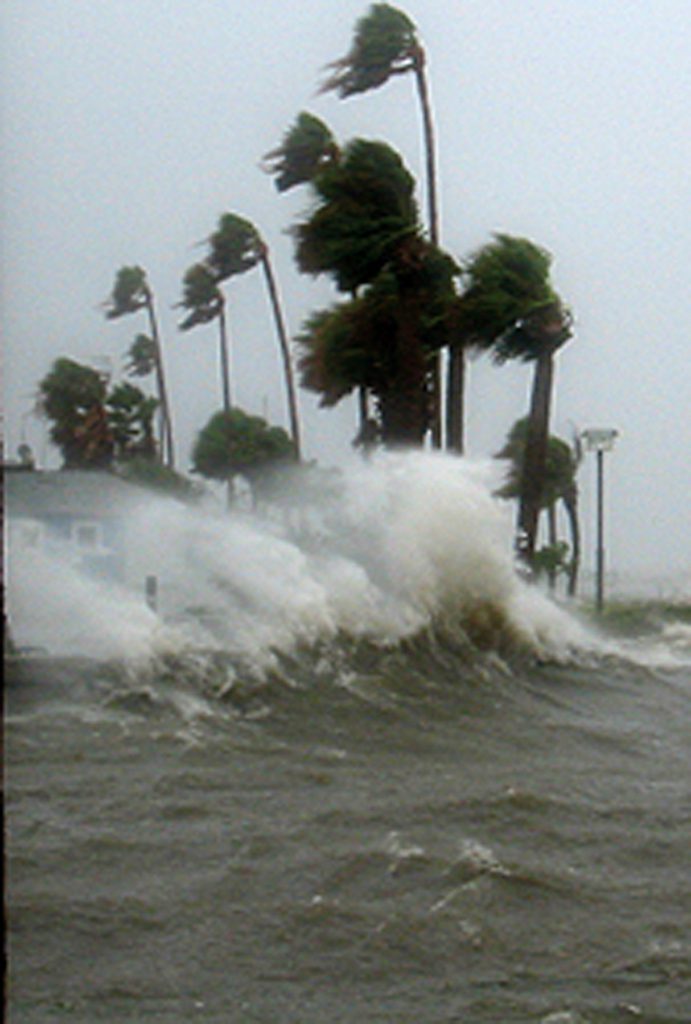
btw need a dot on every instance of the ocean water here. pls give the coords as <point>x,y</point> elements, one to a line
<point>353,770</point>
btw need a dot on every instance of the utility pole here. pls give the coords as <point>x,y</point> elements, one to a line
<point>600,440</point>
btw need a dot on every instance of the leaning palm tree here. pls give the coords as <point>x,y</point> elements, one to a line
<point>510,308</point>
<point>386,44</point>
<point>204,302</point>
<point>131,293</point>
<point>234,248</point>
<point>364,232</point>
<point>559,484</point>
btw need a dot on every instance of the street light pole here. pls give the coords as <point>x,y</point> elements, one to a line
<point>600,440</point>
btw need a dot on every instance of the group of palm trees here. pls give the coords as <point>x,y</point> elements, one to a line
<point>406,307</point>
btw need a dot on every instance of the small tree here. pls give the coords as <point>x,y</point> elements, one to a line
<point>236,444</point>
<point>72,396</point>
<point>559,484</point>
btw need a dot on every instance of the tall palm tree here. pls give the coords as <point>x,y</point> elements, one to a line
<point>234,248</point>
<point>386,44</point>
<point>131,293</point>
<point>204,301</point>
<point>364,232</point>
<point>510,307</point>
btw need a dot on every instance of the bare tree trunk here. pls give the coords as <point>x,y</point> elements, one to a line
<point>552,540</point>
<point>225,356</point>
<point>167,450</point>
<point>533,472</point>
<point>570,499</point>
<point>419,61</point>
<point>455,386</point>
<point>285,350</point>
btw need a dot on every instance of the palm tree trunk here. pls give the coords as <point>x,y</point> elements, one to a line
<point>532,476</point>
<point>570,499</point>
<point>419,61</point>
<point>225,358</point>
<point>285,351</point>
<point>167,450</point>
<point>455,386</point>
<point>553,540</point>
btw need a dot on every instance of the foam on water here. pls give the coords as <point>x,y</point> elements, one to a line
<point>409,542</point>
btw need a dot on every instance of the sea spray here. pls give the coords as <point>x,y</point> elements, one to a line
<point>403,544</point>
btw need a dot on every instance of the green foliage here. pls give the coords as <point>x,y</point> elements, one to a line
<point>551,559</point>
<point>72,396</point>
<point>141,356</point>
<point>90,425</point>
<point>384,44</point>
<point>234,443</point>
<point>235,247</point>
<point>201,296</point>
<point>365,211</point>
<point>561,465</point>
<point>154,475</point>
<point>130,418</point>
<point>358,343</point>
<point>130,293</point>
<point>305,150</point>
<point>506,281</point>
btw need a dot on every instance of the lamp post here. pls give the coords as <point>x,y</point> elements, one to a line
<point>600,440</point>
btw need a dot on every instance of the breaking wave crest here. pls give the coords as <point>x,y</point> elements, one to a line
<point>408,545</point>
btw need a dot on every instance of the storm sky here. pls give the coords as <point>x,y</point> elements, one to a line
<point>128,127</point>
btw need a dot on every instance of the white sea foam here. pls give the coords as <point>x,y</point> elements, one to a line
<point>407,541</point>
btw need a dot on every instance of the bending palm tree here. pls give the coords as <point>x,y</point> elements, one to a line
<point>236,247</point>
<point>364,232</point>
<point>386,44</point>
<point>204,301</point>
<point>131,292</point>
<point>510,307</point>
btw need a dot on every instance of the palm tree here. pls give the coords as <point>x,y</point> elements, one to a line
<point>73,397</point>
<point>386,44</point>
<point>130,418</point>
<point>510,307</point>
<point>559,484</point>
<point>131,293</point>
<point>204,301</point>
<point>364,232</point>
<point>234,248</point>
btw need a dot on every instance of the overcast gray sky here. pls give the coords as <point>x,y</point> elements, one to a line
<point>129,126</point>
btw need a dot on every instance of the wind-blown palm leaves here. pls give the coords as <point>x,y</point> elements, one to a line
<point>510,307</point>
<point>131,293</point>
<point>72,396</point>
<point>365,233</point>
<point>236,247</point>
<point>141,357</point>
<point>386,44</point>
<point>365,212</point>
<point>306,149</point>
<point>204,302</point>
<point>558,484</point>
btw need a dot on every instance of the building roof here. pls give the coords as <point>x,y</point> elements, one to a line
<point>76,493</point>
